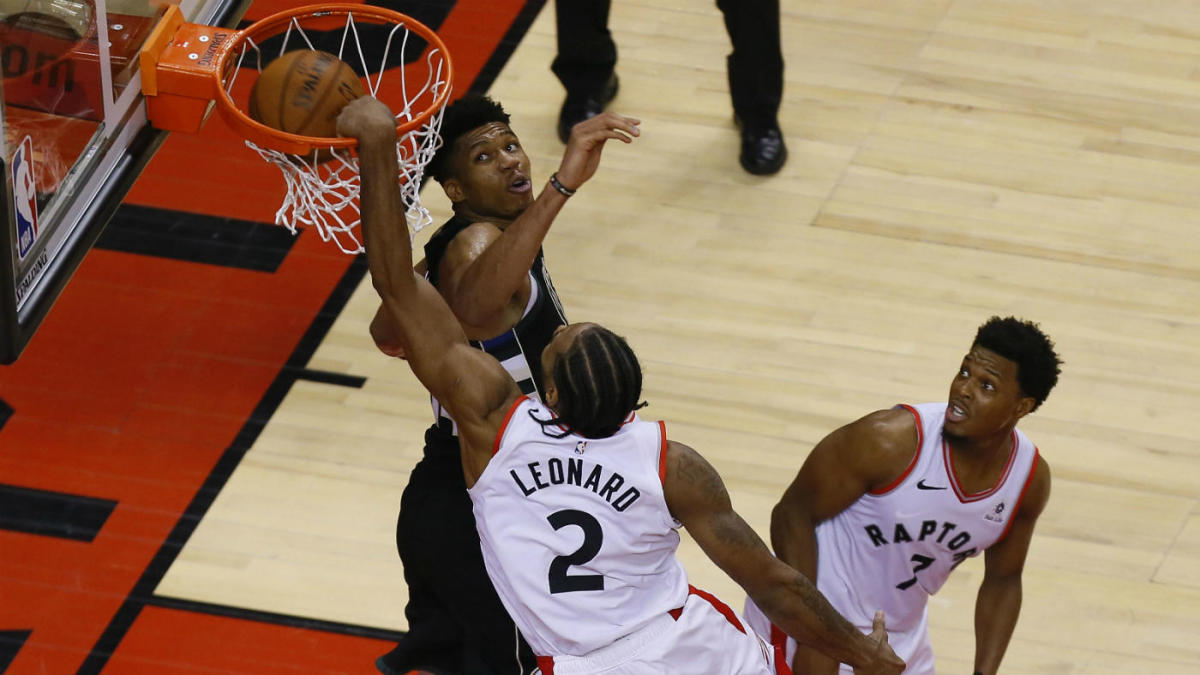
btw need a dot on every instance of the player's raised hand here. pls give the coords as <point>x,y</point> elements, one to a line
<point>883,660</point>
<point>582,155</point>
<point>367,119</point>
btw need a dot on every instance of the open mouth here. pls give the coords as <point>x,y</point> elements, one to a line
<point>956,413</point>
<point>520,185</point>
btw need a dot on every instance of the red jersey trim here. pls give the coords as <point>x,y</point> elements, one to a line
<point>662,453</point>
<point>504,425</point>
<point>546,664</point>
<point>916,455</point>
<point>968,498</point>
<point>779,646</point>
<point>1021,497</point>
<point>721,607</point>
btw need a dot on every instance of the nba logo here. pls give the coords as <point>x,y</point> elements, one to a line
<point>24,197</point>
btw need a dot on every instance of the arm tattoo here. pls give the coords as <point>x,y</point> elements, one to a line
<point>732,530</point>
<point>813,600</point>
<point>695,471</point>
<point>688,470</point>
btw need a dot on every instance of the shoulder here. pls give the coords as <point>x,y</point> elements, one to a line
<point>465,247</point>
<point>884,437</point>
<point>690,481</point>
<point>687,466</point>
<point>472,238</point>
<point>867,454</point>
<point>480,433</point>
<point>890,425</point>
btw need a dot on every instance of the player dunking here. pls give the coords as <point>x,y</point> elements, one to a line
<point>546,480</point>
<point>487,263</point>
<point>886,507</point>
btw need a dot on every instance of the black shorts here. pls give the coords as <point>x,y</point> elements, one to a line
<point>456,621</point>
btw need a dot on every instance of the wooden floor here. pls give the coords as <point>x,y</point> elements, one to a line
<point>950,160</point>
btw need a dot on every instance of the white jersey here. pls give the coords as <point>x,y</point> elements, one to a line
<point>894,547</point>
<point>576,534</point>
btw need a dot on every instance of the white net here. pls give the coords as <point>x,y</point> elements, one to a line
<point>323,187</point>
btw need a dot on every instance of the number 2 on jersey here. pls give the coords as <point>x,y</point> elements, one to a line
<point>593,537</point>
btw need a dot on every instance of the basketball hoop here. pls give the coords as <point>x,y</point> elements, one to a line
<point>403,63</point>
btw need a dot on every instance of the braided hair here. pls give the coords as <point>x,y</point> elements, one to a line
<point>599,382</point>
<point>1023,343</point>
<point>467,113</point>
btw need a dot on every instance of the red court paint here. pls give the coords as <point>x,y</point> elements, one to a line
<point>141,376</point>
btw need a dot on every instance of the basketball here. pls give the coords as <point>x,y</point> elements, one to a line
<point>302,93</point>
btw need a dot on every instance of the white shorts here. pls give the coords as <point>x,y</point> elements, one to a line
<point>706,637</point>
<point>913,646</point>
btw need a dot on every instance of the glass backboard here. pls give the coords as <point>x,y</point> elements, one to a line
<point>75,137</point>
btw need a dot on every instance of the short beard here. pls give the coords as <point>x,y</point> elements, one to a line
<point>952,437</point>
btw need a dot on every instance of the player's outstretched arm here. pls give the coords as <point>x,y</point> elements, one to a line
<point>469,382</point>
<point>999,601</point>
<point>384,332</point>
<point>487,266</point>
<point>697,498</point>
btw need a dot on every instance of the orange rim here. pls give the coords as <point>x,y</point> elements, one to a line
<point>276,24</point>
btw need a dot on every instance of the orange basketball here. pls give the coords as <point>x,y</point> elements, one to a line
<point>303,91</point>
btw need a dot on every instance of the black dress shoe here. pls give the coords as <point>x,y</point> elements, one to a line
<point>763,149</point>
<point>576,110</point>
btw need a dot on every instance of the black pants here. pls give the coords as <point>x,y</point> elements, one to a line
<point>457,624</point>
<point>587,54</point>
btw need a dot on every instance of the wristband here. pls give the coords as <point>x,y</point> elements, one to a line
<point>566,191</point>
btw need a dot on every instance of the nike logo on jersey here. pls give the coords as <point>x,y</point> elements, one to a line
<point>922,486</point>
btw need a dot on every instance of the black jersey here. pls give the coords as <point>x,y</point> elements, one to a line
<point>519,349</point>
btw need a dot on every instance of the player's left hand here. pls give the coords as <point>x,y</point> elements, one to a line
<point>587,140</point>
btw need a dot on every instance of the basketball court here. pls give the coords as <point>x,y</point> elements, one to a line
<point>202,454</point>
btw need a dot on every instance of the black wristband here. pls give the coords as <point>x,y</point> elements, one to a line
<point>566,191</point>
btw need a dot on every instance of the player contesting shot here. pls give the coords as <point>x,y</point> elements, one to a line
<point>635,610</point>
